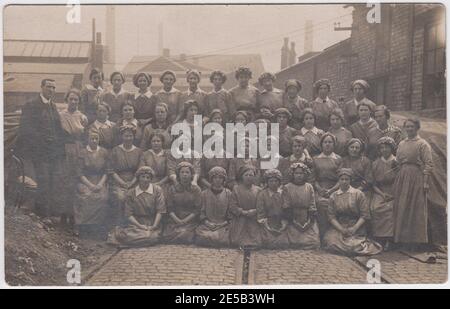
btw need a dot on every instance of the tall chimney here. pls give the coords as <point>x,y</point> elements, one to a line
<point>285,54</point>
<point>111,33</point>
<point>97,60</point>
<point>160,38</point>
<point>309,38</point>
<point>292,55</point>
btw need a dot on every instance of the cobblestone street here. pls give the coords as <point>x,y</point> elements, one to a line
<point>171,265</point>
<point>189,265</point>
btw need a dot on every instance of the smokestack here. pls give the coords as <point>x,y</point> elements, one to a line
<point>292,55</point>
<point>160,38</point>
<point>97,60</point>
<point>111,33</point>
<point>309,38</point>
<point>285,54</point>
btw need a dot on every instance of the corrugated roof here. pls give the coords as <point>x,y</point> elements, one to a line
<point>24,82</point>
<point>43,68</point>
<point>44,48</point>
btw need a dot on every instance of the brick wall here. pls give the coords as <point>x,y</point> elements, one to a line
<point>333,64</point>
<point>390,53</point>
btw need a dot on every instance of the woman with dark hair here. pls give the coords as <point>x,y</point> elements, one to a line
<point>194,93</point>
<point>311,133</point>
<point>299,197</point>
<point>144,208</point>
<point>125,159</point>
<point>359,89</point>
<point>360,165</point>
<point>143,100</point>
<point>382,114</point>
<point>219,98</point>
<point>183,206</point>
<point>271,212</point>
<point>366,130</point>
<point>170,96</point>
<point>183,155</point>
<point>91,95</point>
<point>210,160</point>
<point>294,102</point>
<point>73,123</point>
<point>245,231</point>
<point>91,196</point>
<point>270,97</point>
<point>286,133</point>
<point>299,155</point>
<point>117,96</point>
<point>103,127</point>
<point>349,214</point>
<point>237,163</point>
<point>215,214</point>
<point>323,105</point>
<point>245,96</point>
<point>382,200</point>
<point>156,157</point>
<point>159,124</point>
<point>339,131</point>
<point>411,188</point>
<point>325,167</point>
<point>128,119</point>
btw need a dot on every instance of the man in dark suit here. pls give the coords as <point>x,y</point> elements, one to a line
<point>41,140</point>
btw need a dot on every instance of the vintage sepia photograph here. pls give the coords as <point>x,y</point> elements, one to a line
<point>234,144</point>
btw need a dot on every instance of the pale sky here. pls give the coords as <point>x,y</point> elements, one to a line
<point>189,29</point>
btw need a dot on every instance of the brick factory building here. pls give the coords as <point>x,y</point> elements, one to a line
<point>402,57</point>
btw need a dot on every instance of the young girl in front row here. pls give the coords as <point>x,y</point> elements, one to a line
<point>271,213</point>
<point>215,214</point>
<point>303,230</point>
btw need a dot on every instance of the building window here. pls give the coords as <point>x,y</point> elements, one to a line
<point>434,66</point>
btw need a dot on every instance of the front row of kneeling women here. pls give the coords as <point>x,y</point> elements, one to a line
<point>278,216</point>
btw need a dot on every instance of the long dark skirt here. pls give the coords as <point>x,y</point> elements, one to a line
<point>359,244</point>
<point>212,237</point>
<point>410,208</point>
<point>179,234</point>
<point>382,216</point>
<point>275,240</point>
<point>133,236</point>
<point>245,232</point>
<point>307,238</point>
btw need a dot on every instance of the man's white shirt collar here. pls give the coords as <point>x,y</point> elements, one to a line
<point>44,100</point>
<point>139,191</point>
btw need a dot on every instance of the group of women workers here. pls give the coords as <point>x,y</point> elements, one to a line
<point>347,180</point>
